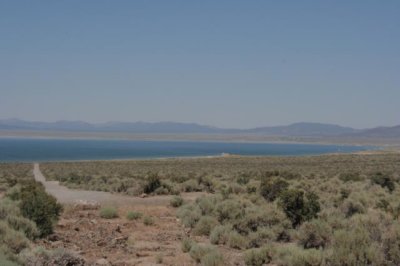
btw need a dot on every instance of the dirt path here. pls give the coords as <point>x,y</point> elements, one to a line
<point>120,241</point>
<point>65,195</point>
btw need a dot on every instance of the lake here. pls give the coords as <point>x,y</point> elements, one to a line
<point>38,150</point>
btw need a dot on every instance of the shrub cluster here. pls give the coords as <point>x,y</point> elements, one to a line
<point>27,212</point>
<point>351,218</point>
<point>384,181</point>
<point>108,212</point>
<point>298,206</point>
<point>271,188</point>
<point>133,215</point>
<point>39,207</point>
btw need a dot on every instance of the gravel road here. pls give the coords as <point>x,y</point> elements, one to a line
<point>67,196</point>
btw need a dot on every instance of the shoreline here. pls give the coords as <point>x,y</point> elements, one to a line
<point>193,137</point>
<point>201,157</point>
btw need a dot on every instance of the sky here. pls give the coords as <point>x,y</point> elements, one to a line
<point>234,64</point>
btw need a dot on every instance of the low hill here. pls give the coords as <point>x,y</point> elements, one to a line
<point>311,130</point>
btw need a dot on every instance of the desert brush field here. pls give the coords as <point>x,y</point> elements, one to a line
<point>339,209</point>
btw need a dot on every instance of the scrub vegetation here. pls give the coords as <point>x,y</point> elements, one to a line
<point>27,213</point>
<point>319,210</point>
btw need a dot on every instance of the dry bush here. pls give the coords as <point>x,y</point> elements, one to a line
<point>315,234</point>
<point>391,244</point>
<point>220,234</point>
<point>355,247</point>
<point>108,213</point>
<point>258,256</point>
<point>186,244</point>
<point>351,218</point>
<point>205,225</point>
<point>176,201</point>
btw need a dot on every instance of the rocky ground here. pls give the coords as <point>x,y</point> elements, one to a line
<point>120,241</point>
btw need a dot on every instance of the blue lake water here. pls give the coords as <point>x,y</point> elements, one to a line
<point>36,150</point>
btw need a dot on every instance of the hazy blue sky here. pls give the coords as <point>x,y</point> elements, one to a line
<point>223,63</point>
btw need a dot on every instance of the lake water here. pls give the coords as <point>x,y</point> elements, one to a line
<point>36,150</point>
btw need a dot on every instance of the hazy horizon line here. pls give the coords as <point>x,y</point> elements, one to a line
<point>193,123</point>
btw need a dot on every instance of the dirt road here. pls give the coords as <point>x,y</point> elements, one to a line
<point>66,195</point>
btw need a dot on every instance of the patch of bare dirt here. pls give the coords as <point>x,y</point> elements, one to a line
<point>120,241</point>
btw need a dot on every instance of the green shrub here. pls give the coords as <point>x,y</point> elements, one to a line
<point>351,176</point>
<point>9,259</point>
<point>384,181</point>
<point>186,244</point>
<point>315,234</point>
<point>108,213</point>
<point>205,225</point>
<point>148,220</point>
<point>176,201</point>
<point>23,225</point>
<point>236,188</point>
<point>294,255</point>
<point>5,262</point>
<point>207,183</point>
<point>236,240</point>
<point>270,188</point>
<point>351,206</point>
<point>384,205</point>
<point>206,204</point>
<point>14,241</point>
<point>375,223</point>
<point>299,208</point>
<point>354,247</point>
<point>391,244</point>
<point>199,251</point>
<point>213,258</point>
<point>133,215</point>
<point>14,192</point>
<point>152,183</point>
<point>243,179</point>
<point>229,210</point>
<point>251,188</point>
<point>8,207</point>
<point>40,207</point>
<point>344,193</point>
<point>261,237</point>
<point>191,185</point>
<point>256,216</point>
<point>257,256</point>
<point>189,215</point>
<point>220,234</point>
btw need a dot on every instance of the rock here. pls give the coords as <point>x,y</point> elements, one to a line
<point>102,262</point>
<point>62,223</point>
<point>118,229</point>
<point>57,244</point>
<point>142,254</point>
<point>143,195</point>
<point>53,238</point>
<point>119,241</point>
<point>101,243</point>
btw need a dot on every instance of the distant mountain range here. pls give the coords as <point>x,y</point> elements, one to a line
<point>293,130</point>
